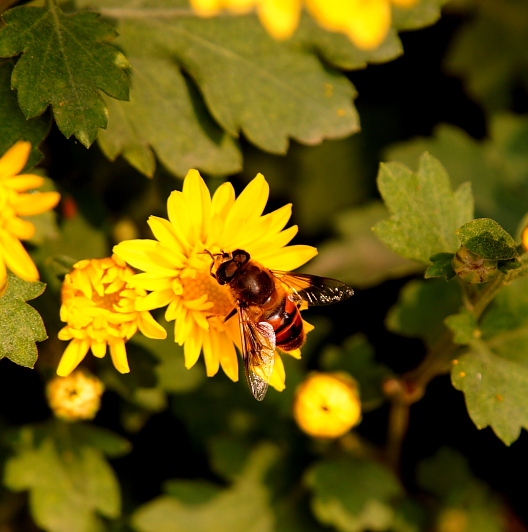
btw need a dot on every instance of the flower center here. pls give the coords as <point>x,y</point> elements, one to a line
<point>107,301</point>
<point>194,287</point>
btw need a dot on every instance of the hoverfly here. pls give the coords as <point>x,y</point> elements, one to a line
<point>268,304</point>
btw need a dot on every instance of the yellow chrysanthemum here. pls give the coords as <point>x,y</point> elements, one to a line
<point>99,308</point>
<point>327,405</point>
<point>177,272</point>
<point>365,22</point>
<point>75,397</point>
<point>15,203</point>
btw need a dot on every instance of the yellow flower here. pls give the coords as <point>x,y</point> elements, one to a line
<point>75,397</point>
<point>98,306</point>
<point>177,271</point>
<point>17,202</point>
<point>327,405</point>
<point>365,22</point>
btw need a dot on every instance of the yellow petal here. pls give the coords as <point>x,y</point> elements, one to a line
<point>21,229</point>
<point>150,281</point>
<point>248,205</point>
<point>14,159</point>
<point>211,354</point>
<point>3,276</point>
<point>163,230</point>
<point>156,299</point>
<point>72,356</point>
<point>280,17</point>
<point>227,355</point>
<point>150,327</point>
<point>278,376</point>
<point>23,182</point>
<point>199,204</point>
<point>192,348</point>
<point>37,203</point>
<point>119,356</point>
<point>288,258</point>
<point>99,349</point>
<point>143,255</point>
<point>17,259</point>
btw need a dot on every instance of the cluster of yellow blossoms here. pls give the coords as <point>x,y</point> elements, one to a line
<point>365,22</point>
<point>105,302</point>
<point>18,199</point>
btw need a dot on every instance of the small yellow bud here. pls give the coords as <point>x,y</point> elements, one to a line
<point>75,397</point>
<point>327,405</point>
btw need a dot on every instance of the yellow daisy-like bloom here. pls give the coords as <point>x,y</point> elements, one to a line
<point>365,22</point>
<point>327,405</point>
<point>75,397</point>
<point>15,203</point>
<point>177,271</point>
<point>99,308</point>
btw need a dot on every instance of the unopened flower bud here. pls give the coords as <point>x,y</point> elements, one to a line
<point>473,268</point>
<point>327,405</point>
<point>75,397</point>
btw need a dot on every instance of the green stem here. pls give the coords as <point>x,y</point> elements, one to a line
<point>437,361</point>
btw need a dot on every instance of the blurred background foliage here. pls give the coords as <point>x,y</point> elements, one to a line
<point>171,450</point>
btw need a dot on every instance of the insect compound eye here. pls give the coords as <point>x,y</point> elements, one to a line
<point>240,256</point>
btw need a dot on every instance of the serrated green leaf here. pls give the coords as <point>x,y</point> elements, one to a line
<point>493,374</point>
<point>353,495</point>
<point>421,14</point>
<point>13,124</point>
<point>65,63</point>
<point>488,239</point>
<point>252,85</point>
<point>20,324</point>
<point>496,166</point>
<point>243,507</point>
<point>357,256</point>
<point>67,488</point>
<point>165,114</point>
<point>422,308</point>
<point>442,266</point>
<point>425,212</point>
<point>464,327</point>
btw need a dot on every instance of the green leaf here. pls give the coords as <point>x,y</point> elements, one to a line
<point>493,373</point>
<point>488,239</point>
<point>422,308</point>
<point>252,85</point>
<point>65,62</point>
<point>464,327</point>
<point>13,123</point>
<point>243,507</point>
<point>465,499</point>
<point>20,324</point>
<point>425,212</point>
<point>497,165</point>
<point>423,13</point>
<point>104,440</point>
<point>489,52</point>
<point>68,485</point>
<point>442,266</point>
<point>356,356</point>
<point>353,495</point>
<point>357,256</point>
<point>167,115</point>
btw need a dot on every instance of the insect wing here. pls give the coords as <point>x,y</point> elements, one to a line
<point>258,352</point>
<point>315,290</point>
